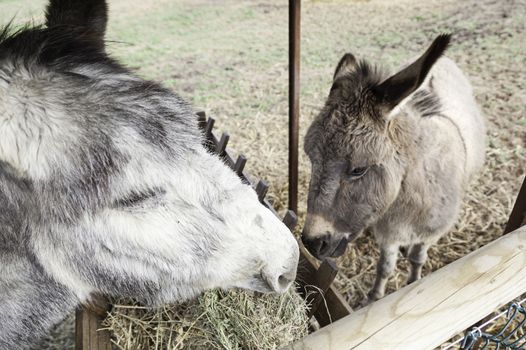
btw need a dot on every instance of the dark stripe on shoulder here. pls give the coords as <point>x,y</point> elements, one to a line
<point>138,198</point>
<point>426,102</point>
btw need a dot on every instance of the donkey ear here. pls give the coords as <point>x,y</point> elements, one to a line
<point>346,65</point>
<point>396,88</point>
<point>90,16</point>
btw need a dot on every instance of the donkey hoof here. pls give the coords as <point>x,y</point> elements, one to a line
<point>370,298</point>
<point>365,301</point>
<point>412,279</point>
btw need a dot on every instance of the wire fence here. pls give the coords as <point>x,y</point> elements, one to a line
<point>509,336</point>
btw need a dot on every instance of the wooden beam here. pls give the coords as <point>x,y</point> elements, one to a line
<point>294,99</point>
<point>428,312</point>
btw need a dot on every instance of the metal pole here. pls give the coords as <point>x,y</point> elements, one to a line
<point>294,97</point>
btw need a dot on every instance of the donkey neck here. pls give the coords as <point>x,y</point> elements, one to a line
<point>407,136</point>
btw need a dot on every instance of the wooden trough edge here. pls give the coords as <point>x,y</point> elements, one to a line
<point>315,279</point>
<point>429,312</point>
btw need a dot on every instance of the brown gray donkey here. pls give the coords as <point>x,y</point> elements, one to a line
<point>393,155</point>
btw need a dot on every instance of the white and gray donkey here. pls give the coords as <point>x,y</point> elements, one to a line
<point>105,186</point>
<point>392,154</point>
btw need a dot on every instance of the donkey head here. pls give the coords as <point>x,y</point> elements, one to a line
<point>129,201</point>
<point>355,150</point>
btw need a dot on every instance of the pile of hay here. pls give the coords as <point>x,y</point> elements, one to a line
<point>216,320</point>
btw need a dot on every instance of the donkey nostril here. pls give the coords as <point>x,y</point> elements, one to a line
<point>324,245</point>
<point>284,281</point>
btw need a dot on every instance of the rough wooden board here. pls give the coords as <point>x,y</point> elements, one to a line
<point>333,306</point>
<point>88,335</point>
<point>426,313</point>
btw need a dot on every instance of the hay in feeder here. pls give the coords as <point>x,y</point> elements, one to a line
<point>216,320</point>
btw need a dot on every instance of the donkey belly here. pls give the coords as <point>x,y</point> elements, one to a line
<point>30,302</point>
<point>458,103</point>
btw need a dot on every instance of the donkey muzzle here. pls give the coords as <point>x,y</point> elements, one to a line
<point>325,246</point>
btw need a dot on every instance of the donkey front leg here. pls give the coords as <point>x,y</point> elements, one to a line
<point>417,257</point>
<point>384,269</point>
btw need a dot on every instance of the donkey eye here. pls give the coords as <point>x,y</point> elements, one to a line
<point>355,173</point>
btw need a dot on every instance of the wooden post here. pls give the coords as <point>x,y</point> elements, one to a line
<point>518,214</point>
<point>261,190</point>
<point>88,321</point>
<point>221,145</point>
<point>240,165</point>
<point>294,99</point>
<point>430,311</point>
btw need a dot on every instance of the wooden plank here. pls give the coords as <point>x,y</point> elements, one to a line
<point>81,337</point>
<point>201,119</point>
<point>430,311</point>
<point>211,142</point>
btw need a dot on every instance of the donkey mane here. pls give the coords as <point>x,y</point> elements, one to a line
<point>426,102</point>
<point>363,77</point>
<point>366,77</point>
<point>55,47</point>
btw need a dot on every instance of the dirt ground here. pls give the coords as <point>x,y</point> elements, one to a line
<point>230,58</point>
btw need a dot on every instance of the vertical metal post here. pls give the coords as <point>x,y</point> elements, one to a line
<point>294,97</point>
